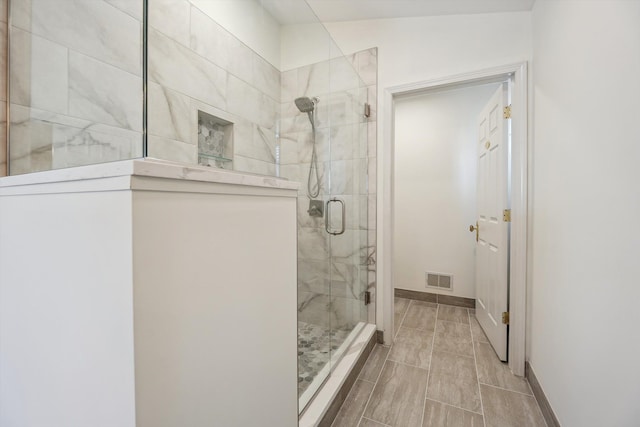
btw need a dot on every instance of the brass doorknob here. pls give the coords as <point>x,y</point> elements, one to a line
<point>476,229</point>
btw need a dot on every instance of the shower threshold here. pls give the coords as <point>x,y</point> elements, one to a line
<point>316,400</point>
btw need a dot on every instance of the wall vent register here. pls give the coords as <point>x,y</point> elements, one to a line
<point>437,280</point>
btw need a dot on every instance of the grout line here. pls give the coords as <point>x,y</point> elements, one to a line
<point>406,311</point>
<point>475,361</point>
<point>382,369</point>
<point>426,389</point>
<point>506,389</point>
<point>408,364</point>
<point>374,421</point>
<point>453,406</point>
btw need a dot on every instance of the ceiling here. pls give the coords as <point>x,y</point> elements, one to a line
<point>297,12</point>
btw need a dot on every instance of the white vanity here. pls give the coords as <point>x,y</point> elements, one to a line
<point>148,293</point>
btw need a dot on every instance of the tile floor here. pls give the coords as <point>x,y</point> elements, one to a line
<point>440,371</point>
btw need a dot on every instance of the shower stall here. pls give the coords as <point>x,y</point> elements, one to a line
<point>252,86</point>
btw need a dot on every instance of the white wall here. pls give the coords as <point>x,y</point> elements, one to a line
<point>585,342</point>
<point>435,187</point>
<point>424,48</point>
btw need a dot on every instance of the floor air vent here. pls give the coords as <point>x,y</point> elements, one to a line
<point>437,280</point>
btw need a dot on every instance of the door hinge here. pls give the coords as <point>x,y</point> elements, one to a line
<point>505,317</point>
<point>367,109</point>
<point>367,298</point>
<point>506,215</point>
<point>507,112</point>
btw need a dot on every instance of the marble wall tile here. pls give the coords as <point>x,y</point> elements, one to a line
<point>115,98</point>
<point>312,244</point>
<point>314,308</point>
<point>3,138</point>
<point>20,84</point>
<point>313,276</point>
<point>372,139</point>
<point>246,101</point>
<point>303,177</point>
<point>170,114</point>
<point>288,148</point>
<point>131,7</point>
<point>349,177</point>
<point>304,219</point>
<point>349,247</point>
<point>246,164</point>
<point>21,14</point>
<point>172,18</point>
<point>261,146</point>
<point>266,78</point>
<point>345,312</point>
<point>314,80</point>
<point>343,75</point>
<point>306,143</point>
<point>289,86</point>
<point>345,281</point>
<point>367,66</point>
<point>372,99</point>
<point>169,149</point>
<point>94,28</point>
<point>345,142</point>
<point>179,68</point>
<point>209,39</point>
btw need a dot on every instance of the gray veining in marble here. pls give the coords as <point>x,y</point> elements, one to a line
<point>173,18</point>
<point>170,113</point>
<point>178,68</point>
<point>133,8</point>
<point>94,28</point>
<point>114,99</point>
<point>168,149</point>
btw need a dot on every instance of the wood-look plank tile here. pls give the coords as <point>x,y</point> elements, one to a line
<point>453,314</point>
<point>453,380</point>
<point>477,333</point>
<point>398,397</point>
<point>494,372</point>
<point>412,347</point>
<point>400,307</point>
<point>369,423</point>
<point>421,315</point>
<point>374,364</point>
<point>454,338</point>
<point>354,405</point>
<point>504,408</point>
<point>438,414</point>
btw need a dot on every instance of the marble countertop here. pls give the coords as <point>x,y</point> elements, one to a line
<point>149,168</point>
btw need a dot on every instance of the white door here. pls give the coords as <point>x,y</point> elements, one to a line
<point>492,249</point>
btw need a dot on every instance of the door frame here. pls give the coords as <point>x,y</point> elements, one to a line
<point>519,196</point>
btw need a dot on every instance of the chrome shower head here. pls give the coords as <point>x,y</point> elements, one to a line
<point>305,105</point>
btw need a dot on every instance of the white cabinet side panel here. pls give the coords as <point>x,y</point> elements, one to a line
<point>215,310</point>
<point>66,327</point>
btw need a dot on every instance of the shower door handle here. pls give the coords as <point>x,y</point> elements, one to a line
<point>327,216</point>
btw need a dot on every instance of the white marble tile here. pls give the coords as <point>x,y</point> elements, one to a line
<point>3,139</point>
<point>170,114</point>
<point>131,7</point>
<point>266,78</point>
<point>247,102</point>
<point>313,244</point>
<point>349,176</point>
<point>209,39</point>
<point>314,80</point>
<point>350,247</point>
<point>169,149</point>
<point>289,85</point>
<point>372,139</point>
<point>105,94</point>
<point>312,308</point>
<point>345,142</point>
<point>177,67</point>
<point>368,66</point>
<point>94,28</point>
<point>372,99</point>
<point>343,76</point>
<point>21,14</point>
<point>306,144</point>
<point>324,172</point>
<point>39,72</point>
<point>304,219</point>
<point>313,276</point>
<point>246,164</point>
<point>172,18</point>
<point>345,108</point>
<point>288,144</point>
<point>260,146</point>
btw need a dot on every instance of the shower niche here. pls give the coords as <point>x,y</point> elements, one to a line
<point>215,141</point>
